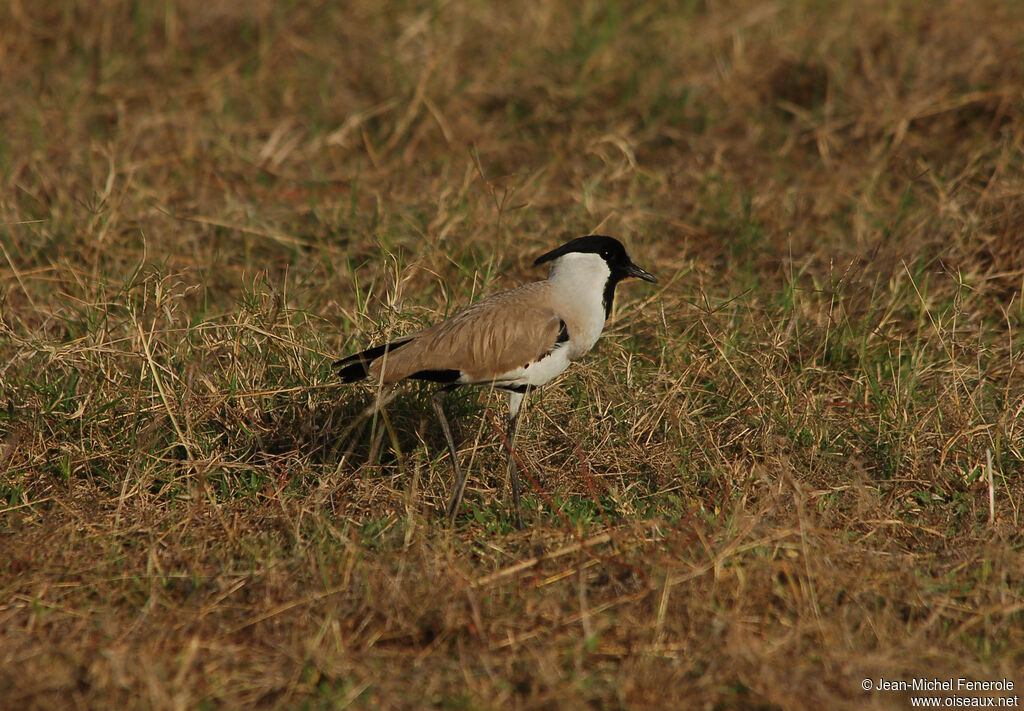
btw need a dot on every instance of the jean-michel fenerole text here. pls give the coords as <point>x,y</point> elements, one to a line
<point>961,684</point>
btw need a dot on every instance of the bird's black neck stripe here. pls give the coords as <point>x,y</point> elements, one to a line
<point>609,294</point>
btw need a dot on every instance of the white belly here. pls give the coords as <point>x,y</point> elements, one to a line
<point>539,372</point>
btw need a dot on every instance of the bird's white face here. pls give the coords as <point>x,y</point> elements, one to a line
<point>578,283</point>
<point>587,271</point>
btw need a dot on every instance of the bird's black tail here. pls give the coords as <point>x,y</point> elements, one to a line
<point>357,366</point>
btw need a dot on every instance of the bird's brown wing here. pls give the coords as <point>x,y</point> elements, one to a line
<point>490,338</point>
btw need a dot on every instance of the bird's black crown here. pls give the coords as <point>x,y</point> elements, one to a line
<point>609,248</point>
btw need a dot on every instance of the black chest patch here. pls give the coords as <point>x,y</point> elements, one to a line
<point>563,336</point>
<point>563,333</point>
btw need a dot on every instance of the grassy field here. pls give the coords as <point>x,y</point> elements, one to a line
<point>792,465</point>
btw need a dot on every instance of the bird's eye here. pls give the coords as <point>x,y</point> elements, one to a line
<point>605,253</point>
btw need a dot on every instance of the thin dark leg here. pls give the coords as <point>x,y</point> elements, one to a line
<point>515,401</point>
<point>513,470</point>
<point>460,477</point>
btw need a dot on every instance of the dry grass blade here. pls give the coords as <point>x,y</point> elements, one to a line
<point>528,563</point>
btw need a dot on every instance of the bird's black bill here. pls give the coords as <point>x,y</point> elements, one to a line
<point>635,271</point>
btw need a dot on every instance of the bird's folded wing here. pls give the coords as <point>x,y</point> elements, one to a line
<point>487,340</point>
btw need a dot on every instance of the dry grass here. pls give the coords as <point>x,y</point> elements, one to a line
<point>793,464</point>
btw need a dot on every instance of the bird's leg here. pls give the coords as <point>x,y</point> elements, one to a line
<point>514,401</point>
<point>460,477</point>
<point>513,472</point>
<point>384,396</point>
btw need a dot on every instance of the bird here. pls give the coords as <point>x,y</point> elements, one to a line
<point>515,340</point>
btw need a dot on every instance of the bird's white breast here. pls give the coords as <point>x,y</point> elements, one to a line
<point>539,371</point>
<point>576,287</point>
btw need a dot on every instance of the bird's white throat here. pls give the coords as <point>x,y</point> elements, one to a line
<point>582,272</point>
<point>578,282</point>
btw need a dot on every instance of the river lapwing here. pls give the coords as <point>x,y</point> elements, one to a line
<point>515,340</point>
